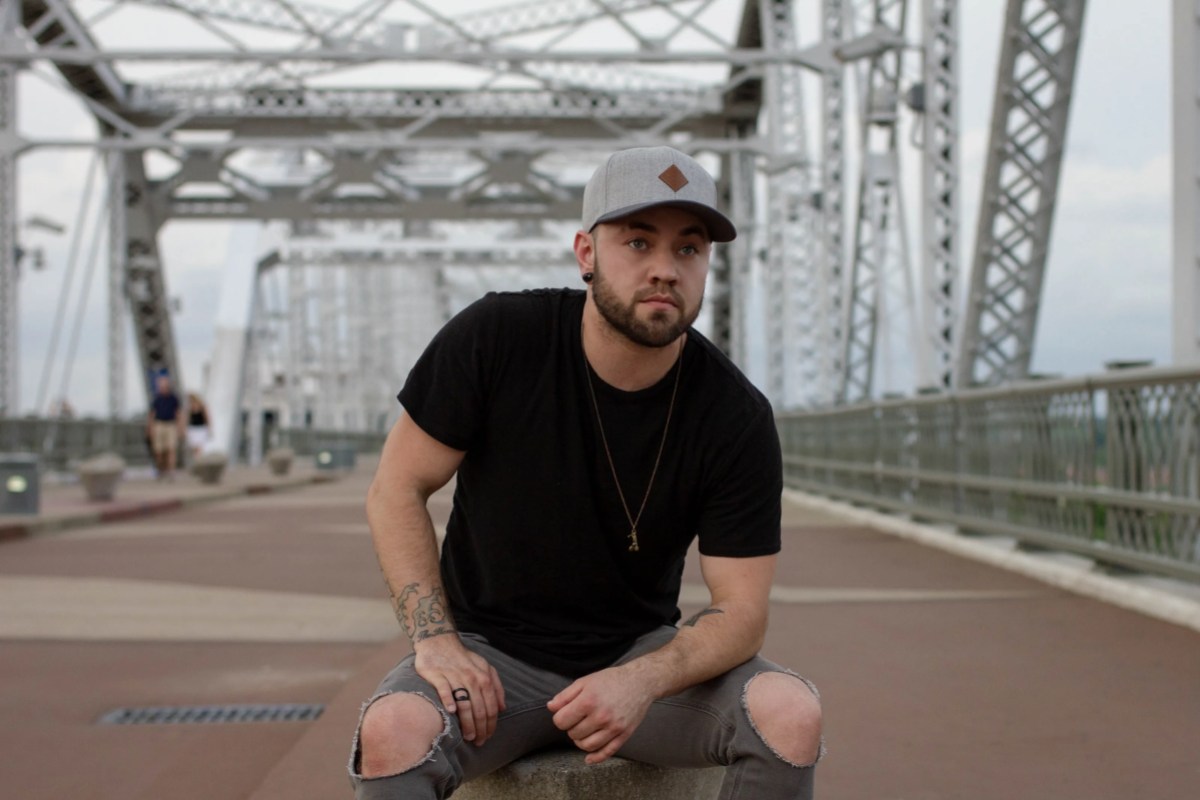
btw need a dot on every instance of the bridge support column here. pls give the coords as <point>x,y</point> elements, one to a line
<point>118,319</point>
<point>9,143</point>
<point>1185,344</point>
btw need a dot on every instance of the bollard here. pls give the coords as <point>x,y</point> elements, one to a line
<point>562,775</point>
<point>280,460</point>
<point>336,455</point>
<point>209,467</point>
<point>19,483</point>
<point>100,475</point>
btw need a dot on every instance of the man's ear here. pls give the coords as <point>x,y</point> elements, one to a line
<point>585,252</point>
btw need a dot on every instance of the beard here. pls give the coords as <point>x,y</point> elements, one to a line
<point>660,329</point>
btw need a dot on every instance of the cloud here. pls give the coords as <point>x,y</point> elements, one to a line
<point>1107,285</point>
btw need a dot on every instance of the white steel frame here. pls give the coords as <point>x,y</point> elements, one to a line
<point>1185,341</point>
<point>1020,188</point>
<point>377,148</point>
<point>9,259</point>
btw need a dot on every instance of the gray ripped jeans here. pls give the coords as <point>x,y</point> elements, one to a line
<point>704,726</point>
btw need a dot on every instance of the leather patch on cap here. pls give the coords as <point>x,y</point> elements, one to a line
<point>673,176</point>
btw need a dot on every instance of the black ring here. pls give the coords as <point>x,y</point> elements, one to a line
<point>461,695</point>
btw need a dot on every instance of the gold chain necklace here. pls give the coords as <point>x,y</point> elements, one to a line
<point>633,521</point>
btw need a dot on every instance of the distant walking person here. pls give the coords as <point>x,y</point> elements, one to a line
<point>165,427</point>
<point>197,426</point>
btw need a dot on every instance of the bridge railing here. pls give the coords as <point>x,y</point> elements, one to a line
<point>59,444</point>
<point>1106,466</point>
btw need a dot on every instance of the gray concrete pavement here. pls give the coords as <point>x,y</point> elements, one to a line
<point>943,677</point>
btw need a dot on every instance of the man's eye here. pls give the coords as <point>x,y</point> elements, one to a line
<point>689,250</point>
<point>638,244</point>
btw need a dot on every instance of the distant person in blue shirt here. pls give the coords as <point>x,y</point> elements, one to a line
<point>165,427</point>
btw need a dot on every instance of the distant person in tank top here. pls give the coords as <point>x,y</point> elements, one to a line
<point>198,434</point>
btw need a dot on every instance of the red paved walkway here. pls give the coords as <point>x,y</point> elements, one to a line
<point>942,678</point>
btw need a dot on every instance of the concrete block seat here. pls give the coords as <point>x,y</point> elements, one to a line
<point>209,467</point>
<point>563,775</point>
<point>280,460</point>
<point>100,475</point>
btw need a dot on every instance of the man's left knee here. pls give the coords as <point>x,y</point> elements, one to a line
<point>786,714</point>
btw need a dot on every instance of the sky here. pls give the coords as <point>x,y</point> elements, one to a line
<point>1108,279</point>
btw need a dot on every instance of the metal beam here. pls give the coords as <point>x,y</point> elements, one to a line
<point>1185,344</point>
<point>833,203</point>
<point>9,266</point>
<point>1020,187</point>
<point>145,282</point>
<point>816,58</point>
<point>791,270</point>
<point>940,195</point>
<point>417,254</point>
<point>480,26</point>
<point>54,25</point>
<point>878,222</point>
<point>389,142</point>
<point>118,300</point>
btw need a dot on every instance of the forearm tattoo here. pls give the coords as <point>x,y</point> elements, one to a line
<point>422,617</point>
<point>691,622</point>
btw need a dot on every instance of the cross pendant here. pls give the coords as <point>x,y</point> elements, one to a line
<point>633,542</point>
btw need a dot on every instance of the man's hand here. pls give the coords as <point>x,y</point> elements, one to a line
<point>601,711</point>
<point>449,666</point>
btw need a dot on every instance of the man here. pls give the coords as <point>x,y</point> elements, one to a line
<point>164,427</point>
<point>594,435</point>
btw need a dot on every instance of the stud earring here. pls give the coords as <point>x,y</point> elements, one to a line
<point>587,277</point>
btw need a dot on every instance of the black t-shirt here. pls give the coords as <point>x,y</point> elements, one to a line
<point>536,554</point>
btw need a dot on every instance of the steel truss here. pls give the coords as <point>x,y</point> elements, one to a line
<point>833,202</point>
<point>1020,188</point>
<point>1185,344</point>
<point>885,315</point>
<point>940,237</point>
<point>535,100</point>
<point>501,147</point>
<point>8,228</point>
<point>792,281</point>
<point>339,322</point>
<point>879,221</point>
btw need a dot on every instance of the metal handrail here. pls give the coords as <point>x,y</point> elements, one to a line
<point>1107,466</point>
<point>61,443</point>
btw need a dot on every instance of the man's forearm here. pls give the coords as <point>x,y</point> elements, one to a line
<point>709,643</point>
<point>422,616</point>
<point>406,546</point>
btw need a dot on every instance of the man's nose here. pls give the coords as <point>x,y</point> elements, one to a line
<point>664,268</point>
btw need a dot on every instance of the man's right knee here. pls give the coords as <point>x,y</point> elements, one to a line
<point>399,732</point>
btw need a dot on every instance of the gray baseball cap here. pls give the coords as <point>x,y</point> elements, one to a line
<point>631,180</point>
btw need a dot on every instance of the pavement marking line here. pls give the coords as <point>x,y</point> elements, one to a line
<point>249,681</point>
<point>273,499</point>
<point>149,529</point>
<point>114,609</point>
<point>698,593</point>
<point>108,609</point>
<point>795,516</point>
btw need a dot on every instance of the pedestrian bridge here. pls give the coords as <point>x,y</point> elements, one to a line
<point>993,578</point>
<point>1105,466</point>
<point>970,668</point>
